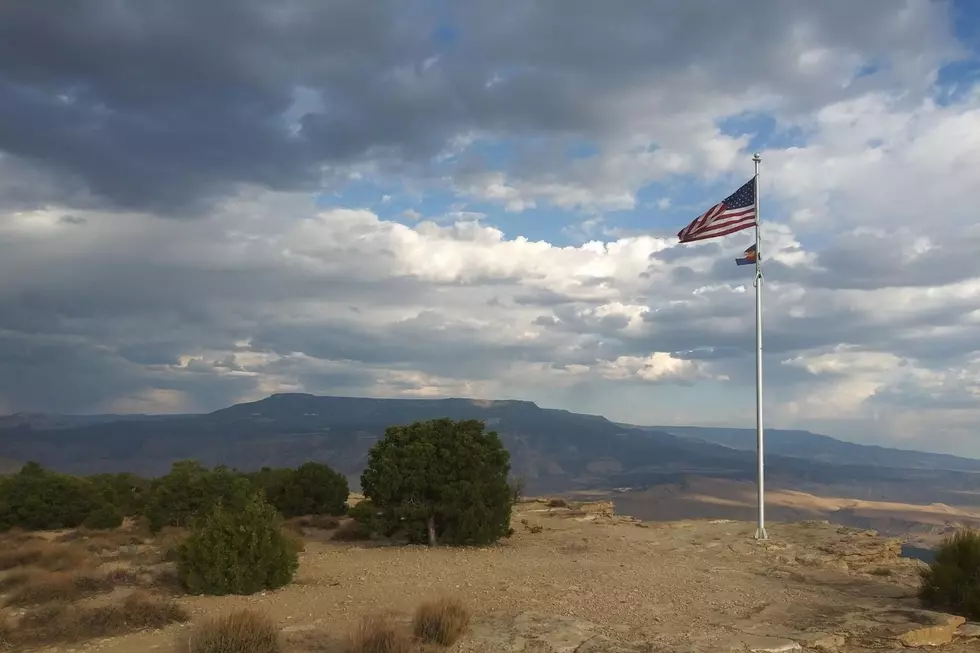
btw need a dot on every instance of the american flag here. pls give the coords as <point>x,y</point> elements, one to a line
<point>734,213</point>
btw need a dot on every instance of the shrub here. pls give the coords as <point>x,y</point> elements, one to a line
<point>440,480</point>
<point>237,551</point>
<point>242,631</point>
<point>952,581</point>
<point>105,517</point>
<point>440,622</point>
<point>379,633</point>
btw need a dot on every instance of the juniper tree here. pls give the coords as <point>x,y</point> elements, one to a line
<point>438,481</point>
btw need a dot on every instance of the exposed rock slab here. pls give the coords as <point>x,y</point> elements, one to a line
<point>762,644</point>
<point>903,626</point>
<point>969,631</point>
<point>543,633</point>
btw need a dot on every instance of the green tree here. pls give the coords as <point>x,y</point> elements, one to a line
<point>952,581</point>
<point>438,481</point>
<point>312,489</point>
<point>38,499</point>
<point>190,490</point>
<point>237,550</point>
<point>125,491</point>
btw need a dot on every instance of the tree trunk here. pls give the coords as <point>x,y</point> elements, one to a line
<point>432,531</point>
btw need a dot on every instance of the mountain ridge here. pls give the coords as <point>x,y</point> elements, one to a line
<point>556,450</point>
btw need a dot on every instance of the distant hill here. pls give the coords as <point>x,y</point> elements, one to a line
<point>823,448</point>
<point>555,450</point>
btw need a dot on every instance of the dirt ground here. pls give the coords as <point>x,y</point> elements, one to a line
<point>672,586</point>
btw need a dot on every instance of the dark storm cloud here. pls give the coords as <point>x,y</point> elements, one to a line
<point>71,376</point>
<point>162,106</point>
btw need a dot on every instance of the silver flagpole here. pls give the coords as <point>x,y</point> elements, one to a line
<point>760,533</point>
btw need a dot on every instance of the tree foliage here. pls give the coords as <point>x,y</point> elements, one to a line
<point>127,492</point>
<point>311,489</point>
<point>952,581</point>
<point>438,481</point>
<point>104,517</point>
<point>190,490</point>
<point>237,550</point>
<point>37,499</point>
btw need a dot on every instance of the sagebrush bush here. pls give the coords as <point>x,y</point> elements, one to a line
<point>237,551</point>
<point>952,581</point>
<point>440,622</point>
<point>242,631</point>
<point>379,633</point>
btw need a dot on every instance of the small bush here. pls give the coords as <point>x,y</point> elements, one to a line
<point>440,622</point>
<point>952,581</point>
<point>237,551</point>
<point>242,631</point>
<point>104,518</point>
<point>557,503</point>
<point>379,633</point>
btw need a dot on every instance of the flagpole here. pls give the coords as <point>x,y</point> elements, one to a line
<point>760,533</point>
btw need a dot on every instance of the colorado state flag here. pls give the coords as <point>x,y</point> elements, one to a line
<point>748,258</point>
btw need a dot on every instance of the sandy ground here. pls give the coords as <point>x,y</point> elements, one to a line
<point>675,582</point>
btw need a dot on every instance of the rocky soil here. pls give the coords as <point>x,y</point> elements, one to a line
<point>582,579</point>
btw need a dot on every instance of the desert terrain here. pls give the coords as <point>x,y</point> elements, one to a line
<point>714,498</point>
<point>584,579</point>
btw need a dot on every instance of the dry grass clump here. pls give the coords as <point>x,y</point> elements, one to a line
<point>102,541</point>
<point>379,633</point>
<point>35,586</point>
<point>242,631</point>
<point>294,540</point>
<point>62,622</point>
<point>441,622</point>
<point>322,522</point>
<point>52,556</point>
<point>351,531</point>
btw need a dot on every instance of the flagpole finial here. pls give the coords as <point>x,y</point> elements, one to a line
<point>757,157</point>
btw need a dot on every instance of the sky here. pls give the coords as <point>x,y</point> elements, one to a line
<point>203,203</point>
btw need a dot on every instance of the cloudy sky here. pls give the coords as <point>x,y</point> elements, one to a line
<point>208,202</point>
